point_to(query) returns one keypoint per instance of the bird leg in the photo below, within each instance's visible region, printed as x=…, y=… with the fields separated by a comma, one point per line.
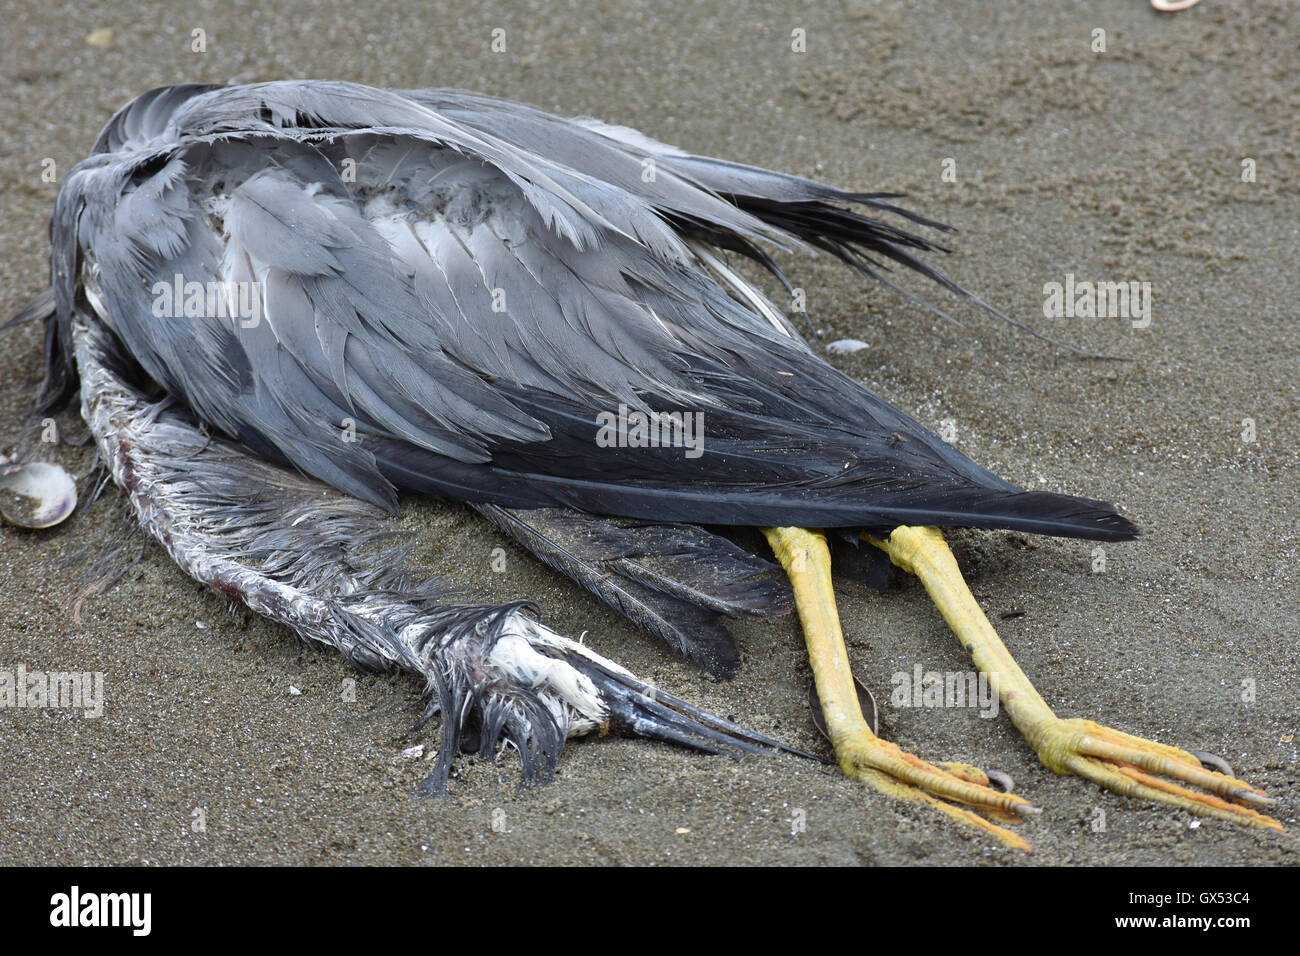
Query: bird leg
x=953, y=789
x=1128, y=765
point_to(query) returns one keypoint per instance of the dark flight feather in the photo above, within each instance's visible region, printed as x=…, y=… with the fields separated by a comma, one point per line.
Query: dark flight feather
x=671, y=580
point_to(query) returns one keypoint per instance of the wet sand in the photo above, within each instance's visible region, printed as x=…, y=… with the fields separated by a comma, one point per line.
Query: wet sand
x=1122, y=166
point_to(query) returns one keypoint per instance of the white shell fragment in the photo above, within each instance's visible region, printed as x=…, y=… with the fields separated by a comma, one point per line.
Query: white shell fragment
x=846, y=346
x=36, y=495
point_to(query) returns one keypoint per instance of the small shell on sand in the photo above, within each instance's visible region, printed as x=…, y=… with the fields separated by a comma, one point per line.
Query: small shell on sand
x=846, y=346
x=36, y=495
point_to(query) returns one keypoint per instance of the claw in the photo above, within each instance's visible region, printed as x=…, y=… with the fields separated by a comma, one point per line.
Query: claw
x=1120, y=762
x=1134, y=767
x=1000, y=780
x=892, y=771
x=1250, y=796
x=1213, y=762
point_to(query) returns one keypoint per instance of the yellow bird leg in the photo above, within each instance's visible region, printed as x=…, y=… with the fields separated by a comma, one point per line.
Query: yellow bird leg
x=861, y=754
x=1120, y=762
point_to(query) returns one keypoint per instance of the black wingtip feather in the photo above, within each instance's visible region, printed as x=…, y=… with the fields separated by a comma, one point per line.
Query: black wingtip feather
x=671, y=580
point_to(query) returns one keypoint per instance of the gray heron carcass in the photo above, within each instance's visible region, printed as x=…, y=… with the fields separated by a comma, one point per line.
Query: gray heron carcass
x=285, y=303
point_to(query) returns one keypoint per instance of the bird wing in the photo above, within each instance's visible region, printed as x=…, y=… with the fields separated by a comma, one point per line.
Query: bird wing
x=445, y=309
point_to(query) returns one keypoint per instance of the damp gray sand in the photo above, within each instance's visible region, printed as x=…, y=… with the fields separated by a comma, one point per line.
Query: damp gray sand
x=1120, y=166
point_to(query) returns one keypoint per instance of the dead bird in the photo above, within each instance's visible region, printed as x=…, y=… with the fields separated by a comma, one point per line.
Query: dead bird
x=282, y=304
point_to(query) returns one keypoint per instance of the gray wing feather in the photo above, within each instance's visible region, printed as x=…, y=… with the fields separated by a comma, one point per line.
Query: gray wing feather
x=683, y=183
x=379, y=291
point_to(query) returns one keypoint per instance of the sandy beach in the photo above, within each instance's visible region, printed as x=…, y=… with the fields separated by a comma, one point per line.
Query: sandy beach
x=1169, y=158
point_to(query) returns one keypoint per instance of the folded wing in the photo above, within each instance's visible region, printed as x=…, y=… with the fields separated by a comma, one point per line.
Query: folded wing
x=449, y=295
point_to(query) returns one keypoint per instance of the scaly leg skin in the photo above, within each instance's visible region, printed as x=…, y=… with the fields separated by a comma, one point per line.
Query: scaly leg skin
x=955, y=789
x=1128, y=765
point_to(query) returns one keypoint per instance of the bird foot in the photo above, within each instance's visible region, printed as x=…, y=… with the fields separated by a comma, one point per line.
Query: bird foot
x=958, y=790
x=954, y=789
x=1134, y=767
